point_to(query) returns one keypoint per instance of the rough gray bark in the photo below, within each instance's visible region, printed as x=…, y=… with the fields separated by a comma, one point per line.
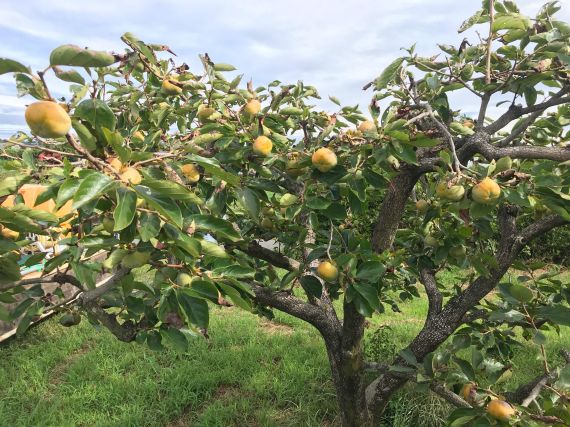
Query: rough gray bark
x=436, y=331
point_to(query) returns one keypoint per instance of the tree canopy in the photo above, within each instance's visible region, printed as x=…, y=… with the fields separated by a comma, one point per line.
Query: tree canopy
x=230, y=193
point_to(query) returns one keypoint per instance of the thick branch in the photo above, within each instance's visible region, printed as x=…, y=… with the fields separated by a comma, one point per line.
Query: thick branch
x=110, y=283
x=516, y=111
x=52, y=278
x=435, y=299
x=448, y=395
x=483, y=110
x=125, y=332
x=540, y=227
x=520, y=128
x=451, y=317
x=490, y=152
x=277, y=259
x=526, y=393
x=393, y=206
x=292, y=305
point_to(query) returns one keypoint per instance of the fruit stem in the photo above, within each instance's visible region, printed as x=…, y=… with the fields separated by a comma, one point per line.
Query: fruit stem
x=41, y=76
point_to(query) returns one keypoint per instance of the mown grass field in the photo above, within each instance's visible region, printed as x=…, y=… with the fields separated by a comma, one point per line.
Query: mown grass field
x=251, y=372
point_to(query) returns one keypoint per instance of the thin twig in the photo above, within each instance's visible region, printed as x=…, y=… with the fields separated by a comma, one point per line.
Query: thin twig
x=457, y=164
x=37, y=147
x=490, y=41
x=41, y=75
x=330, y=241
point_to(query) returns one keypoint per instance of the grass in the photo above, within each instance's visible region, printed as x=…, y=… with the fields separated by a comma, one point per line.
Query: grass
x=251, y=372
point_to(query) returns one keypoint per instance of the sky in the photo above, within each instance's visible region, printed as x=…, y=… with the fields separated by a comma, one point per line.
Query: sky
x=335, y=45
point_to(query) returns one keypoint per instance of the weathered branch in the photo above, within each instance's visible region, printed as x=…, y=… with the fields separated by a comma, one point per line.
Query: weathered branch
x=526, y=393
x=516, y=111
x=277, y=259
x=519, y=130
x=52, y=278
x=125, y=332
x=393, y=207
x=107, y=285
x=292, y=305
x=483, y=110
x=540, y=227
x=448, y=395
x=491, y=152
x=451, y=317
x=547, y=419
x=435, y=299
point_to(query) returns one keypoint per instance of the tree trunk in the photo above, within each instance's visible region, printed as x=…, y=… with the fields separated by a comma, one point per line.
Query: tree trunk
x=349, y=385
x=348, y=377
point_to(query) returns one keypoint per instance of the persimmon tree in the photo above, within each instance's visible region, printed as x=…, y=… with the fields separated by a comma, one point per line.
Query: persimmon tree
x=243, y=195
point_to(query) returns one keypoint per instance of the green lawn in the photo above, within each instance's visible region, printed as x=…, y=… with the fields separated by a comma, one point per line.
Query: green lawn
x=251, y=372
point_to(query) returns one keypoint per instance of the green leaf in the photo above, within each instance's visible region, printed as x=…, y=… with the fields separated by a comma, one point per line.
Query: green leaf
x=7, y=246
x=474, y=19
x=224, y=67
x=189, y=244
x=465, y=367
x=10, y=66
x=249, y=201
x=205, y=289
x=369, y=293
x=506, y=316
x=538, y=337
x=335, y=211
x=9, y=184
x=370, y=271
x=389, y=73
x=149, y=225
x=556, y=313
x=138, y=45
x=213, y=249
x=317, y=203
x=422, y=141
x=175, y=338
x=70, y=54
x=564, y=378
x=87, y=140
x=511, y=21
x=213, y=167
x=71, y=76
x=35, y=214
x=18, y=222
x=291, y=111
x=67, y=190
x=220, y=228
x=311, y=285
x=117, y=142
x=235, y=296
x=126, y=207
x=335, y=100
x=30, y=85
x=91, y=187
x=171, y=189
x=97, y=113
x=9, y=269
x=236, y=271
x=195, y=309
x=167, y=207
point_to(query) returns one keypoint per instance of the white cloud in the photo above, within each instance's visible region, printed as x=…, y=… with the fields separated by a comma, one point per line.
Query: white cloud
x=336, y=45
